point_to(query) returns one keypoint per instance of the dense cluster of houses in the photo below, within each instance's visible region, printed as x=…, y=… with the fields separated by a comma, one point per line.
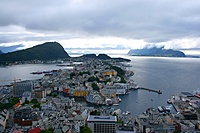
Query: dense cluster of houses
x=56, y=92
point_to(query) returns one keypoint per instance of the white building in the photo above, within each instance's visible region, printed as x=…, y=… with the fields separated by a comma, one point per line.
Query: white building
x=3, y=118
x=120, y=88
x=102, y=124
x=26, y=96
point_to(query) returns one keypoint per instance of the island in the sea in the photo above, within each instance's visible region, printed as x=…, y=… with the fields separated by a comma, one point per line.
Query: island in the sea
x=154, y=51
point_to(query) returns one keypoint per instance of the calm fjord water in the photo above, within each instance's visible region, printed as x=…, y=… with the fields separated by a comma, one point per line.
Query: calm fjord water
x=170, y=75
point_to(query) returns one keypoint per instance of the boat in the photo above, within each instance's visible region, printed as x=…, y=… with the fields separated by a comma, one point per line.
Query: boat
x=119, y=99
x=169, y=101
x=167, y=108
x=46, y=72
x=127, y=112
x=160, y=109
x=197, y=95
x=37, y=72
x=116, y=104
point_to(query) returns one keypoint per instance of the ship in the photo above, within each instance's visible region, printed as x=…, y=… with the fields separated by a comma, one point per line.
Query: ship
x=160, y=109
x=126, y=113
x=37, y=72
x=119, y=99
x=197, y=95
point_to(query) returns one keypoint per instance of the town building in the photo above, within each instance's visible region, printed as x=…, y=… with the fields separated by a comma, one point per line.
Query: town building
x=3, y=118
x=40, y=93
x=109, y=73
x=26, y=96
x=102, y=124
x=120, y=88
x=21, y=87
x=25, y=116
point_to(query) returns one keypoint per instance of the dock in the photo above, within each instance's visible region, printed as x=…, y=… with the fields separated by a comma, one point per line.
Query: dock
x=152, y=90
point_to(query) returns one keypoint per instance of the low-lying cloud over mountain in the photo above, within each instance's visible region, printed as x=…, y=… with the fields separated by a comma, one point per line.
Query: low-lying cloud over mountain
x=7, y=49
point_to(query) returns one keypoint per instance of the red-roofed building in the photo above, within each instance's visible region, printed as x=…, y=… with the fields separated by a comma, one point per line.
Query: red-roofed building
x=16, y=105
x=17, y=131
x=35, y=130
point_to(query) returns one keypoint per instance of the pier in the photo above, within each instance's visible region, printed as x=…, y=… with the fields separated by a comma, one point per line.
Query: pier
x=152, y=90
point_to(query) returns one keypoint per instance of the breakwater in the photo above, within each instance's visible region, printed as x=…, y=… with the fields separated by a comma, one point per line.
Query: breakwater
x=152, y=90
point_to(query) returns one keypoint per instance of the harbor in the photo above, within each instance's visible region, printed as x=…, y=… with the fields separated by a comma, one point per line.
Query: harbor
x=142, y=103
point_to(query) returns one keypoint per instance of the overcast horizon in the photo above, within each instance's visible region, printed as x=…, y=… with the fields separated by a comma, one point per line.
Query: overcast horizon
x=91, y=24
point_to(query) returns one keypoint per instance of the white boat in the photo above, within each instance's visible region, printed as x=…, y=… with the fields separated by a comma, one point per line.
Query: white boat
x=127, y=112
x=167, y=108
x=128, y=92
x=160, y=109
x=119, y=99
x=115, y=104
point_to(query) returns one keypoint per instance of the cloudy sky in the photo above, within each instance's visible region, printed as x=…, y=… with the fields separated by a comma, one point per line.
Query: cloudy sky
x=81, y=25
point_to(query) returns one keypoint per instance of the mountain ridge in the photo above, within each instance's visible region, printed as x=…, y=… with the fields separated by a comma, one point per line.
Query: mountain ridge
x=45, y=51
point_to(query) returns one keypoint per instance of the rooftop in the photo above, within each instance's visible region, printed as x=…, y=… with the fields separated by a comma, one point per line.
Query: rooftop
x=187, y=94
x=93, y=118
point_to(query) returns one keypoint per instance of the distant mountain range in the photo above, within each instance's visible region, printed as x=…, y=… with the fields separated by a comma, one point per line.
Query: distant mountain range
x=46, y=51
x=161, y=52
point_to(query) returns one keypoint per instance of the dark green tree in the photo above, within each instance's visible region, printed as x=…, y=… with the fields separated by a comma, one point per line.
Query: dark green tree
x=72, y=75
x=95, y=112
x=37, y=105
x=46, y=131
x=26, y=102
x=95, y=87
x=92, y=79
x=85, y=129
x=34, y=101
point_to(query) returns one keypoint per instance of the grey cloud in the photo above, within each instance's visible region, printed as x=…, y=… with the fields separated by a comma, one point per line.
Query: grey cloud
x=151, y=20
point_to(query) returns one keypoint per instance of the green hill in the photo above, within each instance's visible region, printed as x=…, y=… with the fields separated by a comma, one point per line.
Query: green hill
x=104, y=57
x=46, y=51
